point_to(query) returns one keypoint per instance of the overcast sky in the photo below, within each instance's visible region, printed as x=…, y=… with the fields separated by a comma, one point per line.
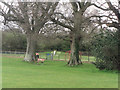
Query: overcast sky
x=52, y=0
x=98, y=2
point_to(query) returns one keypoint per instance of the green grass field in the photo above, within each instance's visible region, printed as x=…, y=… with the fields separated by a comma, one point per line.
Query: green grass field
x=54, y=74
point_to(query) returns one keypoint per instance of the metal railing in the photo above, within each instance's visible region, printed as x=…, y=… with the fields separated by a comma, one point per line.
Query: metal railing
x=11, y=52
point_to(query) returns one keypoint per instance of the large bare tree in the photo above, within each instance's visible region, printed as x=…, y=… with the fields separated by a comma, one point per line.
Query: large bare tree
x=31, y=18
x=75, y=24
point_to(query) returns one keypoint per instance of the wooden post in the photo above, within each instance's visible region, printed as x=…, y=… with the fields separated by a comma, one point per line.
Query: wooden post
x=65, y=56
x=59, y=56
x=88, y=56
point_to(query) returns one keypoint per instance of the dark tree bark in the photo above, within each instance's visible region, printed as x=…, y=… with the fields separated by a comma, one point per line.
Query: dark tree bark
x=74, y=56
x=76, y=38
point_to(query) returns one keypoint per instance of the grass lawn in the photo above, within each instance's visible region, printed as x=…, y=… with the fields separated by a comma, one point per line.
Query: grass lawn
x=54, y=74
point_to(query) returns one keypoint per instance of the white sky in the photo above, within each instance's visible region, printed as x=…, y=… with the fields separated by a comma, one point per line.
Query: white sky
x=51, y=0
x=114, y=2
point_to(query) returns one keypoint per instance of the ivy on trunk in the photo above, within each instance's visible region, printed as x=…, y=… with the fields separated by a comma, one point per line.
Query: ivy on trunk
x=74, y=56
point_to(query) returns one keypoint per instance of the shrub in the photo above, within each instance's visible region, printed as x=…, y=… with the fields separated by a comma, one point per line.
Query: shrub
x=105, y=49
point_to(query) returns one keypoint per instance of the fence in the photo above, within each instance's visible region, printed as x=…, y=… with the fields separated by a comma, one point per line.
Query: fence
x=63, y=56
x=11, y=52
x=51, y=56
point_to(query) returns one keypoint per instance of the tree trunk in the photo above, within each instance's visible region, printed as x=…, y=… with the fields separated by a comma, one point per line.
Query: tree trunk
x=74, y=57
x=31, y=48
x=76, y=38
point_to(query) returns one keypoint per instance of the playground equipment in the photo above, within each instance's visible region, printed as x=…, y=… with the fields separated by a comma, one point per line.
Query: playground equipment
x=42, y=60
x=39, y=59
x=37, y=55
x=54, y=52
x=69, y=52
x=49, y=56
x=58, y=56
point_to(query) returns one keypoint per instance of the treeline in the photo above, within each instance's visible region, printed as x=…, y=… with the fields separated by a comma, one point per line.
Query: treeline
x=13, y=41
x=16, y=41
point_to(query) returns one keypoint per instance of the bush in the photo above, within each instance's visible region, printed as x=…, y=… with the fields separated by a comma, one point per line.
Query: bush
x=105, y=49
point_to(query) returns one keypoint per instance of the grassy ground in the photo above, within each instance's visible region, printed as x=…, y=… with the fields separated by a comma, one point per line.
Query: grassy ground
x=54, y=74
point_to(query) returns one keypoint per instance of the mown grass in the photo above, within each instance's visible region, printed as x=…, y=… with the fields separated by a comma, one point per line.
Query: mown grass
x=54, y=74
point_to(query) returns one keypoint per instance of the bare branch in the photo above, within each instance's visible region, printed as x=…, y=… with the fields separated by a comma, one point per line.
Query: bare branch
x=87, y=4
x=113, y=24
x=113, y=9
x=95, y=16
x=63, y=17
x=75, y=6
x=62, y=24
x=105, y=9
